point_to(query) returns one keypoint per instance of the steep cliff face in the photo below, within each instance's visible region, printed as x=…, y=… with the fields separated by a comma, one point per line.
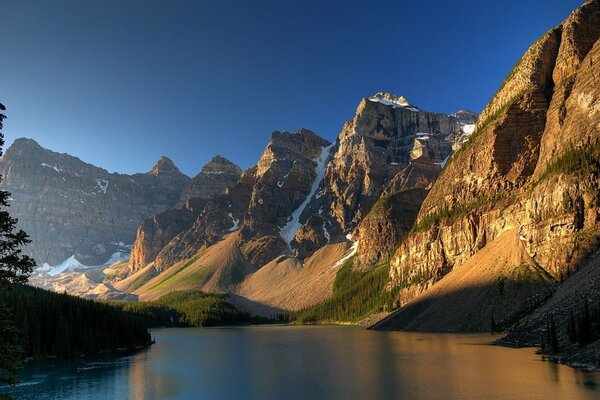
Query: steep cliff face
x=69, y=207
x=531, y=166
x=283, y=206
x=388, y=221
x=389, y=146
x=218, y=175
x=154, y=233
x=386, y=134
x=285, y=174
x=262, y=205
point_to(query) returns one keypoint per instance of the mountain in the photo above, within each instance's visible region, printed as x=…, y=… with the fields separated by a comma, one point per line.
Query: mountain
x=305, y=207
x=277, y=238
x=71, y=208
x=515, y=211
x=81, y=217
x=273, y=236
x=258, y=206
x=213, y=180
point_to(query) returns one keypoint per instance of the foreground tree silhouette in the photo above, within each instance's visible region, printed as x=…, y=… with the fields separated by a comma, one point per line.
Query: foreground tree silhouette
x=14, y=268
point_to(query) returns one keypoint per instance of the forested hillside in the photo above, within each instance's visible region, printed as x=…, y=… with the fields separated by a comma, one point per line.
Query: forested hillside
x=61, y=325
x=187, y=308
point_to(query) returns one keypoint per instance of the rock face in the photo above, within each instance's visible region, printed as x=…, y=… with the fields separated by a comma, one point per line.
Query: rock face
x=389, y=145
x=218, y=175
x=156, y=232
x=305, y=192
x=389, y=220
x=71, y=208
x=284, y=177
x=531, y=166
x=260, y=205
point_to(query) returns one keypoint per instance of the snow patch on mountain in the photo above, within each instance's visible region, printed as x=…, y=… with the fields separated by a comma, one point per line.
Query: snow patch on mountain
x=54, y=167
x=282, y=181
x=444, y=161
x=289, y=230
x=102, y=184
x=116, y=257
x=71, y=264
x=235, y=221
x=326, y=233
x=468, y=128
x=389, y=99
x=352, y=252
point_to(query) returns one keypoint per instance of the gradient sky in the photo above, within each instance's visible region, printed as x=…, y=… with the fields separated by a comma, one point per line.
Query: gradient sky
x=120, y=83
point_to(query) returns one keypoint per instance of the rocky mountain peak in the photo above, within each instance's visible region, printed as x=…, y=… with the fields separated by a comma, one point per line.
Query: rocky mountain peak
x=165, y=166
x=285, y=138
x=25, y=143
x=466, y=116
x=216, y=177
x=23, y=146
x=285, y=146
x=390, y=99
x=59, y=196
x=220, y=165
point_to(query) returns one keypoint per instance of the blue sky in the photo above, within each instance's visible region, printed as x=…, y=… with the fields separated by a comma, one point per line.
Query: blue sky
x=120, y=83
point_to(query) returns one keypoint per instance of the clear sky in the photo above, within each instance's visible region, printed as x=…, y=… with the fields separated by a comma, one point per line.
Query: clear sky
x=120, y=83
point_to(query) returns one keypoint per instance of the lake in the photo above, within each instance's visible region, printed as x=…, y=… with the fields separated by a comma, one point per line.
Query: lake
x=311, y=362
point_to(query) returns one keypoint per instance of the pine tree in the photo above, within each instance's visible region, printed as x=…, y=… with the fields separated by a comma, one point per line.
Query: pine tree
x=572, y=328
x=585, y=325
x=10, y=349
x=14, y=268
x=552, y=337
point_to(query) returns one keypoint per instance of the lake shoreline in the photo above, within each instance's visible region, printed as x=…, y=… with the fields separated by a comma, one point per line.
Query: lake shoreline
x=329, y=361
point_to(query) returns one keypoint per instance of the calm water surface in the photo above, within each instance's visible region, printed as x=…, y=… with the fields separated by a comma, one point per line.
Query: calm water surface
x=284, y=362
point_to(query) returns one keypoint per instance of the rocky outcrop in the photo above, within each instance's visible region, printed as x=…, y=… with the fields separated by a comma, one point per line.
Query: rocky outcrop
x=69, y=207
x=154, y=233
x=389, y=220
x=260, y=205
x=390, y=145
x=285, y=174
x=532, y=165
x=382, y=139
x=218, y=175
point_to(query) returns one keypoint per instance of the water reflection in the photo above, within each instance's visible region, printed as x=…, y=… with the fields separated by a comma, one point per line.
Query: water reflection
x=313, y=363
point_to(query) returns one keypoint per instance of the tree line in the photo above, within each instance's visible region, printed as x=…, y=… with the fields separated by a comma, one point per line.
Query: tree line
x=188, y=308
x=580, y=329
x=61, y=325
x=356, y=294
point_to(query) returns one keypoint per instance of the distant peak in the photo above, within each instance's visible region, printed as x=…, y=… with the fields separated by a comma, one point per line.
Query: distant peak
x=25, y=142
x=390, y=99
x=466, y=116
x=164, y=166
x=219, y=164
x=23, y=146
x=302, y=135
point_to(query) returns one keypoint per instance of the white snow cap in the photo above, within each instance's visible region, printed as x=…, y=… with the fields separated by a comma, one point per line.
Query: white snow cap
x=389, y=99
